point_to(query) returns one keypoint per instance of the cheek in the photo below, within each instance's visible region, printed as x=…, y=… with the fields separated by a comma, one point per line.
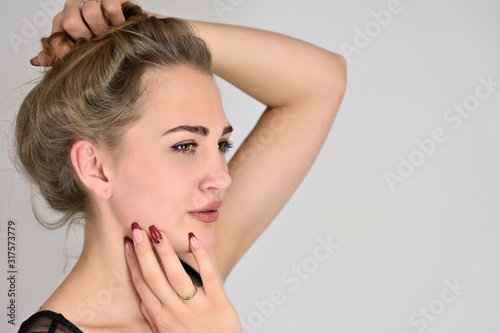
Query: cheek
x=138, y=186
x=150, y=189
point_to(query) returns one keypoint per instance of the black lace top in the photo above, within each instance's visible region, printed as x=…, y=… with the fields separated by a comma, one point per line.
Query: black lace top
x=48, y=322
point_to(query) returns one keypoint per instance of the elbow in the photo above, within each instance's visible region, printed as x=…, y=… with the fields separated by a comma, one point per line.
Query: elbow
x=331, y=80
x=336, y=76
x=321, y=84
x=342, y=64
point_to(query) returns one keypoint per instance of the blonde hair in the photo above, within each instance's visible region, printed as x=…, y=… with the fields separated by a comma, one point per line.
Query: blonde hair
x=92, y=94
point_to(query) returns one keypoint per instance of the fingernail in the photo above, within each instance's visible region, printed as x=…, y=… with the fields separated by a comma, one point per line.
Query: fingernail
x=137, y=233
x=129, y=247
x=155, y=234
x=195, y=244
x=34, y=61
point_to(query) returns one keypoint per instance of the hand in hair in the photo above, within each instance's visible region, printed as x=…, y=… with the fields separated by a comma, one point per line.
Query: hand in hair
x=168, y=301
x=74, y=23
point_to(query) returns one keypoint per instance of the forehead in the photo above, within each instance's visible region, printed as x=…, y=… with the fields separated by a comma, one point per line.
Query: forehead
x=181, y=91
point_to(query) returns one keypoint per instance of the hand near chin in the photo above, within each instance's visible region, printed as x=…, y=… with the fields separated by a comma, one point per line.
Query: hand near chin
x=170, y=301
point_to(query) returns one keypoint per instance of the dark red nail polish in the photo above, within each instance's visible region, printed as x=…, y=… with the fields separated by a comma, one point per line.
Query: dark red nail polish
x=129, y=245
x=195, y=244
x=135, y=225
x=155, y=234
x=34, y=61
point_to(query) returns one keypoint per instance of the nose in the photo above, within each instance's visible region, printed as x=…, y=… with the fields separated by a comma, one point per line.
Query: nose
x=216, y=178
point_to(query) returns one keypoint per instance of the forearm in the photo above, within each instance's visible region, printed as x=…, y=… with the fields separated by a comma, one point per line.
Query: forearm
x=276, y=70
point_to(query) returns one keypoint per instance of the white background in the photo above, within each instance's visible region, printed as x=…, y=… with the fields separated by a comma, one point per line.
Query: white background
x=398, y=251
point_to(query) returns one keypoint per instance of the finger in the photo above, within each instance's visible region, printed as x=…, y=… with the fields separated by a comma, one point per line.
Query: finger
x=211, y=282
x=57, y=23
x=147, y=296
x=147, y=315
x=113, y=8
x=92, y=13
x=150, y=267
x=176, y=275
x=43, y=59
x=38, y=60
x=57, y=45
x=72, y=21
x=58, y=48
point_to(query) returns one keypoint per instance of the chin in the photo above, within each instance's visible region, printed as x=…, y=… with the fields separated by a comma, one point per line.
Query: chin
x=206, y=235
x=180, y=242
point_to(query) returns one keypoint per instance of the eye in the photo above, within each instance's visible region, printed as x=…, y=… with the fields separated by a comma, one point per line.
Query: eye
x=185, y=148
x=225, y=146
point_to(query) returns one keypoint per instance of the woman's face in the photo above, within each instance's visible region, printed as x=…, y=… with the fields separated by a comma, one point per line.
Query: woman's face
x=172, y=161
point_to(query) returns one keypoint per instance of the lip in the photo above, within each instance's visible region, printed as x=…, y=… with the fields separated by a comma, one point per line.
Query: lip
x=208, y=213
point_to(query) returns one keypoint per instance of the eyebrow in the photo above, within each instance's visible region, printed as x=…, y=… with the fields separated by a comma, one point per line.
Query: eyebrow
x=200, y=130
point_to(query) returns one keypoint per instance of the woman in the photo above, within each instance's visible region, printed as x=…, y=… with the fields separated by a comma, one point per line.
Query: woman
x=127, y=128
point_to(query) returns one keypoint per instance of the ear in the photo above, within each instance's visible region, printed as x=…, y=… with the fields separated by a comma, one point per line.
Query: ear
x=88, y=163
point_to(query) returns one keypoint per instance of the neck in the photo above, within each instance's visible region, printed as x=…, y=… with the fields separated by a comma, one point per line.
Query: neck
x=99, y=291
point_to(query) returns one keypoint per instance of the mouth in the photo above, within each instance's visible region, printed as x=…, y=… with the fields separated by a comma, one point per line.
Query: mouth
x=208, y=213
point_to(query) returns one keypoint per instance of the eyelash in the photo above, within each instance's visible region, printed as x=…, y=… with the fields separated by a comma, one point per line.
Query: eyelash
x=224, y=147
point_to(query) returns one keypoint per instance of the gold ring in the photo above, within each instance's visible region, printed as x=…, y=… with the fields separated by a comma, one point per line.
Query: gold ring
x=187, y=298
x=84, y=1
